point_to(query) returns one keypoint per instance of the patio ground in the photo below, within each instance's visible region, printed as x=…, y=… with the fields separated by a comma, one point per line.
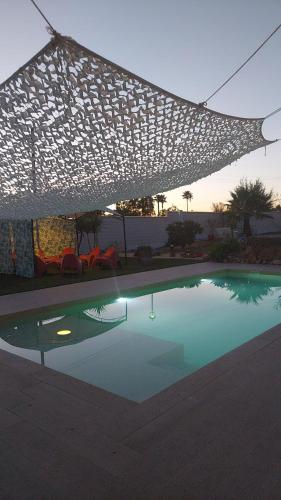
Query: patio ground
x=214, y=435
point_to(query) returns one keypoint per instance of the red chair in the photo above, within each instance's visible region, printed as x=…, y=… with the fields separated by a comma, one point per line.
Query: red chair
x=71, y=264
x=108, y=259
x=54, y=259
x=68, y=251
x=89, y=259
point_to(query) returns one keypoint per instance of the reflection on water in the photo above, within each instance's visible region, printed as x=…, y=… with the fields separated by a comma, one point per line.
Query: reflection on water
x=137, y=345
x=51, y=333
x=247, y=291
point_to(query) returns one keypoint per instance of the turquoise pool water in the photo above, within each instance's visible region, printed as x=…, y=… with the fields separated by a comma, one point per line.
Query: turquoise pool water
x=140, y=343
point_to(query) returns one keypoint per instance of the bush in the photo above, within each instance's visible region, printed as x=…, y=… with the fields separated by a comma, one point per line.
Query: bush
x=220, y=251
x=183, y=233
x=144, y=254
x=143, y=251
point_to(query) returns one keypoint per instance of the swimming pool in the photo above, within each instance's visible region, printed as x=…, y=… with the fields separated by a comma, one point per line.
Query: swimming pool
x=140, y=343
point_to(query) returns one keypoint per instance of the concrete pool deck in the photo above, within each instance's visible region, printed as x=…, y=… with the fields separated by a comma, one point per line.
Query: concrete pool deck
x=214, y=435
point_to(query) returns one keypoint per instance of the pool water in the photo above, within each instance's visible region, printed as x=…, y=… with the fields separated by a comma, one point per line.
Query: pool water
x=138, y=344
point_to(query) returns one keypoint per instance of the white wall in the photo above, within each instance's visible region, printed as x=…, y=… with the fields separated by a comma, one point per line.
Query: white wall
x=267, y=225
x=152, y=230
x=145, y=230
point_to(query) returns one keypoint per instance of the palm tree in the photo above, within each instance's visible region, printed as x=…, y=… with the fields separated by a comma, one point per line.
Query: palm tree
x=163, y=200
x=187, y=195
x=250, y=199
x=160, y=198
x=158, y=201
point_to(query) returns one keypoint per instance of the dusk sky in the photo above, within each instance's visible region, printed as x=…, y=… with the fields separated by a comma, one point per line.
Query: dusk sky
x=188, y=47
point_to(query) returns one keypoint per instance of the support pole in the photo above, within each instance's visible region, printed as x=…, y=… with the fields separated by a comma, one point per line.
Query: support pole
x=34, y=187
x=42, y=357
x=124, y=237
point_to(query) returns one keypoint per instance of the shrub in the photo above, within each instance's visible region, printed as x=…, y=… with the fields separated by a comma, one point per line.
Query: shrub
x=220, y=251
x=143, y=251
x=183, y=233
x=144, y=254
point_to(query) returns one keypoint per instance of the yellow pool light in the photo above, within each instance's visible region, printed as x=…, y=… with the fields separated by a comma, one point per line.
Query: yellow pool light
x=63, y=332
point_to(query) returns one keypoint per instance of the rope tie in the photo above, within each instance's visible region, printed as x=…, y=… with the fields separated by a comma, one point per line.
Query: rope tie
x=51, y=29
x=243, y=64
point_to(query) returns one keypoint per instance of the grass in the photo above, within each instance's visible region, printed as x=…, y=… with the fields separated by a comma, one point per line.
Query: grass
x=15, y=284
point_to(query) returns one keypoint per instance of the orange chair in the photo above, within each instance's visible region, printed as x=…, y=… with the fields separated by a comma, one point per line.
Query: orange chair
x=54, y=259
x=71, y=264
x=89, y=259
x=108, y=259
x=68, y=251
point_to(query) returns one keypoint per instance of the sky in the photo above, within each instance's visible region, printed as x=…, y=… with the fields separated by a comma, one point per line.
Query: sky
x=188, y=47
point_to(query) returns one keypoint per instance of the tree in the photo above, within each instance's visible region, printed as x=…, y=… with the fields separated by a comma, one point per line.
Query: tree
x=250, y=199
x=219, y=207
x=89, y=222
x=187, y=195
x=128, y=207
x=96, y=222
x=145, y=205
x=158, y=201
x=163, y=200
x=231, y=221
x=173, y=208
x=136, y=206
x=183, y=233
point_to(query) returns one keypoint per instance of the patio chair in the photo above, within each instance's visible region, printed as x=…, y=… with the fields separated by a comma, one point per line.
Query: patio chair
x=108, y=259
x=71, y=264
x=68, y=251
x=47, y=259
x=89, y=259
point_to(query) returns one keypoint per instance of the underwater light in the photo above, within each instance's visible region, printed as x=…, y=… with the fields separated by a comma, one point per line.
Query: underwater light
x=122, y=299
x=63, y=332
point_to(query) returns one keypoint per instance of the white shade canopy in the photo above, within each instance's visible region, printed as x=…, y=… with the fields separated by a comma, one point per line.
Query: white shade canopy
x=78, y=133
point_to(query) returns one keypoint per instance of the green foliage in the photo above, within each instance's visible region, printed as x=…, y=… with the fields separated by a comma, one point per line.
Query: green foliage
x=182, y=233
x=143, y=251
x=219, y=207
x=136, y=206
x=172, y=208
x=160, y=199
x=89, y=222
x=250, y=199
x=146, y=205
x=128, y=207
x=188, y=196
x=220, y=251
x=144, y=254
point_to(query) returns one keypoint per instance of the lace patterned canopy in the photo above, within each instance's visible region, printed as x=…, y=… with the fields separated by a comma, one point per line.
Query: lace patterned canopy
x=79, y=133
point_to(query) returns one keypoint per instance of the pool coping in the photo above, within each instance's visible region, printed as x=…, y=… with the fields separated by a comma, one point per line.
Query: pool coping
x=77, y=292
